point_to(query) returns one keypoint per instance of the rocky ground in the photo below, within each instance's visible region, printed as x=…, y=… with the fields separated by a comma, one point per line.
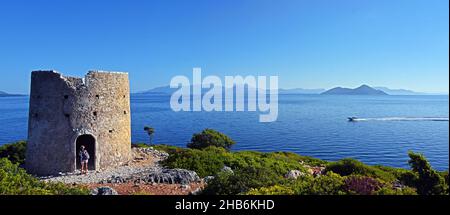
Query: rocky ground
x=151, y=189
x=143, y=175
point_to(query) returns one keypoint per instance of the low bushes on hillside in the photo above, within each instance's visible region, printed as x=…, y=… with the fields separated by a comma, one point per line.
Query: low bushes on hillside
x=15, y=152
x=242, y=180
x=328, y=184
x=272, y=190
x=211, y=160
x=257, y=173
x=15, y=181
x=348, y=166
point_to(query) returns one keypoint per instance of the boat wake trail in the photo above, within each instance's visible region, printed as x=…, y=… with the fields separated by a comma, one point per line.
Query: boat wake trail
x=443, y=119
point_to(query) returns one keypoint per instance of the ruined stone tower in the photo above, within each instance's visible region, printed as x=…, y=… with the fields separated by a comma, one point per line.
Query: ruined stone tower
x=67, y=112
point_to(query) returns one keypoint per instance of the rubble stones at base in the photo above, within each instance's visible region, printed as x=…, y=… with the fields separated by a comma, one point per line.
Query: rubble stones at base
x=172, y=176
x=149, y=173
x=185, y=187
x=197, y=191
x=103, y=191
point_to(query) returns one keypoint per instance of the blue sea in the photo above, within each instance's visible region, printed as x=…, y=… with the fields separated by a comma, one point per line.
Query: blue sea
x=312, y=125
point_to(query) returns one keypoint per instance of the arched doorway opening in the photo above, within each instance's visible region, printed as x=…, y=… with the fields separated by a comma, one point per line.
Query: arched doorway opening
x=88, y=141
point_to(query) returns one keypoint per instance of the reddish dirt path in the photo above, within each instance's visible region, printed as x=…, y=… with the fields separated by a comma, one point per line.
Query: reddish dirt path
x=149, y=189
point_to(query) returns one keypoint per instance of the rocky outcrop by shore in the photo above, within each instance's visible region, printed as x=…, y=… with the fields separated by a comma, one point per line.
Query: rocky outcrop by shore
x=157, y=175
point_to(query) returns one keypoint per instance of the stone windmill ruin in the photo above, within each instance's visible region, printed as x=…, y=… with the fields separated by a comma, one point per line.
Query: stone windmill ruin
x=67, y=112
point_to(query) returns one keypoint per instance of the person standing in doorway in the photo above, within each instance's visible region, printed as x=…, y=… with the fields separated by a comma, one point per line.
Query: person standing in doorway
x=84, y=158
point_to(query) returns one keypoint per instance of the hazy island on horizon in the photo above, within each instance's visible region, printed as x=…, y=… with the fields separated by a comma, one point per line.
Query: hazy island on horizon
x=5, y=94
x=362, y=90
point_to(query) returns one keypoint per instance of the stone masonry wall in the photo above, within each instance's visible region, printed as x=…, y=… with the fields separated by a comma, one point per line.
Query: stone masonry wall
x=63, y=108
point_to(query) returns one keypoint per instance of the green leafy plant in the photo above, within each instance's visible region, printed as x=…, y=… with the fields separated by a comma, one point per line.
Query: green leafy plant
x=241, y=181
x=395, y=191
x=428, y=182
x=15, y=181
x=272, y=190
x=348, y=166
x=211, y=160
x=15, y=152
x=210, y=137
x=328, y=184
x=204, y=162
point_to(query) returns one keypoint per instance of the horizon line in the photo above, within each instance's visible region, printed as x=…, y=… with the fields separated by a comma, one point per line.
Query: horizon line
x=135, y=91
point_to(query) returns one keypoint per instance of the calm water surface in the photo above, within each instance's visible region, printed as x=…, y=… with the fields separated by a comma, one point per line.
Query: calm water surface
x=313, y=125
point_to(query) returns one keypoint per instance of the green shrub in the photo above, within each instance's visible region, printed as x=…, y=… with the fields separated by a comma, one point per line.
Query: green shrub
x=15, y=152
x=272, y=190
x=445, y=175
x=210, y=137
x=277, y=163
x=429, y=182
x=409, y=179
x=15, y=181
x=393, y=191
x=211, y=160
x=241, y=181
x=251, y=169
x=392, y=171
x=334, y=184
x=348, y=166
x=328, y=184
x=290, y=156
x=205, y=162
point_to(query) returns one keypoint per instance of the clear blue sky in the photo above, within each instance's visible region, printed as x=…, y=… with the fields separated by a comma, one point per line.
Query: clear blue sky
x=309, y=44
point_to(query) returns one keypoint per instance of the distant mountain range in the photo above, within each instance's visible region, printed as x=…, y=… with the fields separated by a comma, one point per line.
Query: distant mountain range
x=300, y=91
x=361, y=90
x=403, y=92
x=168, y=90
x=159, y=90
x=4, y=94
